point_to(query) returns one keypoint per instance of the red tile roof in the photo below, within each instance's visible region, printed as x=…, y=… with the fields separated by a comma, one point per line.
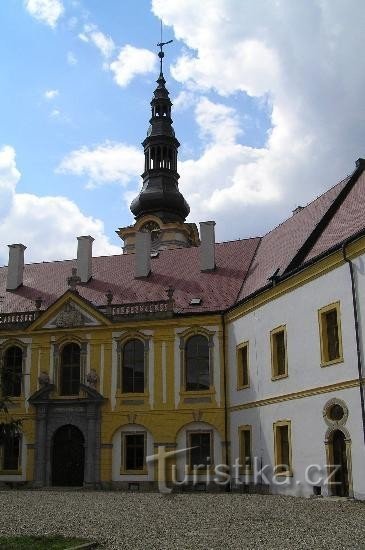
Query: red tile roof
x=177, y=268
x=243, y=266
x=347, y=221
x=278, y=247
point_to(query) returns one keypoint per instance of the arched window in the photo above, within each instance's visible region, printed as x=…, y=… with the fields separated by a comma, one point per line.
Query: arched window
x=12, y=372
x=70, y=369
x=133, y=367
x=197, y=368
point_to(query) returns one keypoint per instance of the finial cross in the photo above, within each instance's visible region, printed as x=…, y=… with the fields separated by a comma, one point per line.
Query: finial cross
x=161, y=53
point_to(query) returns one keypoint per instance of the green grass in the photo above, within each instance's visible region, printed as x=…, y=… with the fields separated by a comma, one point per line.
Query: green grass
x=38, y=543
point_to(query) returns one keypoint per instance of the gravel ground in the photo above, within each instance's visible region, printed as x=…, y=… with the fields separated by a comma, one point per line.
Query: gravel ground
x=152, y=521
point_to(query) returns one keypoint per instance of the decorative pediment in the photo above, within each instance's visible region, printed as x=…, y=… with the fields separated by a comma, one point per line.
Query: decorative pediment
x=71, y=315
x=44, y=396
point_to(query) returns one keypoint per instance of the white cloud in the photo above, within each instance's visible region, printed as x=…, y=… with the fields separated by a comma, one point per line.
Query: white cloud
x=83, y=37
x=51, y=94
x=48, y=226
x=106, y=163
x=71, y=59
x=56, y=113
x=131, y=62
x=104, y=43
x=183, y=101
x=299, y=57
x=9, y=177
x=46, y=11
x=217, y=122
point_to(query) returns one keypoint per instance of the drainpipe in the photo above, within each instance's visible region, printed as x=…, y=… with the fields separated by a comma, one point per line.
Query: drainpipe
x=357, y=333
x=228, y=486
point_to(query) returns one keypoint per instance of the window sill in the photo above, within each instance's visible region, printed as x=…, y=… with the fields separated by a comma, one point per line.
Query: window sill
x=279, y=377
x=133, y=472
x=333, y=362
x=131, y=395
x=197, y=393
x=244, y=387
x=10, y=472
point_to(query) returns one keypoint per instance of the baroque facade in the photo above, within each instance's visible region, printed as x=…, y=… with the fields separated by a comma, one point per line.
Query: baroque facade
x=247, y=353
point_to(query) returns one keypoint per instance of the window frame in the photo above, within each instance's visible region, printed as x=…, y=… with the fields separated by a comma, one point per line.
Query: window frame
x=277, y=458
x=5, y=350
x=12, y=471
x=60, y=381
x=189, y=433
x=183, y=347
x=145, y=365
x=123, y=469
x=274, y=368
x=325, y=362
x=239, y=366
x=244, y=468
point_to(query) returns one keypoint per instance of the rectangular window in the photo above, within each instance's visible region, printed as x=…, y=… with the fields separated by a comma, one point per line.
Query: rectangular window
x=245, y=448
x=279, y=360
x=242, y=366
x=330, y=334
x=200, y=444
x=282, y=446
x=134, y=458
x=10, y=453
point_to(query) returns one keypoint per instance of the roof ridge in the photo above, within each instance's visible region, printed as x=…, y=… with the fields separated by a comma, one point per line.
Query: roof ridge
x=325, y=218
x=307, y=205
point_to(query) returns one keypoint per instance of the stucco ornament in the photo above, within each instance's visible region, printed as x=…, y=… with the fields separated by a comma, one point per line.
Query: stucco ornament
x=335, y=413
x=44, y=379
x=92, y=379
x=69, y=316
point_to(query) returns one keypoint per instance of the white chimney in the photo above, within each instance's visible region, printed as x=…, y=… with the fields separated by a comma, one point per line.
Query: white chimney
x=207, y=246
x=84, y=257
x=16, y=266
x=142, y=254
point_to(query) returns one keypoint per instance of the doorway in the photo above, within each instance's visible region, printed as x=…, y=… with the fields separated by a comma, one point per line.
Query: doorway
x=340, y=479
x=68, y=457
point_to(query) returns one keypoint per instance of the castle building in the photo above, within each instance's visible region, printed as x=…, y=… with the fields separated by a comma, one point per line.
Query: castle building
x=246, y=353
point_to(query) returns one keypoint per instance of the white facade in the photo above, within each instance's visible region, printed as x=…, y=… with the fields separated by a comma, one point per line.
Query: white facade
x=302, y=395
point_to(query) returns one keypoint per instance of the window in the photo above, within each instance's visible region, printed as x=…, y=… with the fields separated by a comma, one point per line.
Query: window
x=134, y=451
x=12, y=372
x=330, y=334
x=133, y=367
x=10, y=452
x=245, y=448
x=279, y=361
x=242, y=366
x=282, y=445
x=197, y=371
x=200, y=444
x=70, y=369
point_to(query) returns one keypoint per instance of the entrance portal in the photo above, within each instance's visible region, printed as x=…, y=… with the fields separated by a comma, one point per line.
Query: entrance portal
x=68, y=457
x=341, y=479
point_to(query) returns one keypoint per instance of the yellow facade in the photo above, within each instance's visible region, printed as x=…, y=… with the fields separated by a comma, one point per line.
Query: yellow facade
x=159, y=413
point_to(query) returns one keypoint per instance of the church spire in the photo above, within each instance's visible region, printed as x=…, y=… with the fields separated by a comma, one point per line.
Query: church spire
x=160, y=195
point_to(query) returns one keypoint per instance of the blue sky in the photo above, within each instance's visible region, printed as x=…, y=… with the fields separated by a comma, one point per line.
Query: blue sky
x=263, y=112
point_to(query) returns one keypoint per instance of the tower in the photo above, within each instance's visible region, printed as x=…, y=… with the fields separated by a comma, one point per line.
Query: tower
x=160, y=207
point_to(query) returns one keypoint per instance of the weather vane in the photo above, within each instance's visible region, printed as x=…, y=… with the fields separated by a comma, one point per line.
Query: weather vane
x=161, y=53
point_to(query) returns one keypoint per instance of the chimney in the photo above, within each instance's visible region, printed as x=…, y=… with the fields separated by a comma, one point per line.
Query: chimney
x=16, y=266
x=297, y=209
x=207, y=246
x=84, y=257
x=142, y=254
